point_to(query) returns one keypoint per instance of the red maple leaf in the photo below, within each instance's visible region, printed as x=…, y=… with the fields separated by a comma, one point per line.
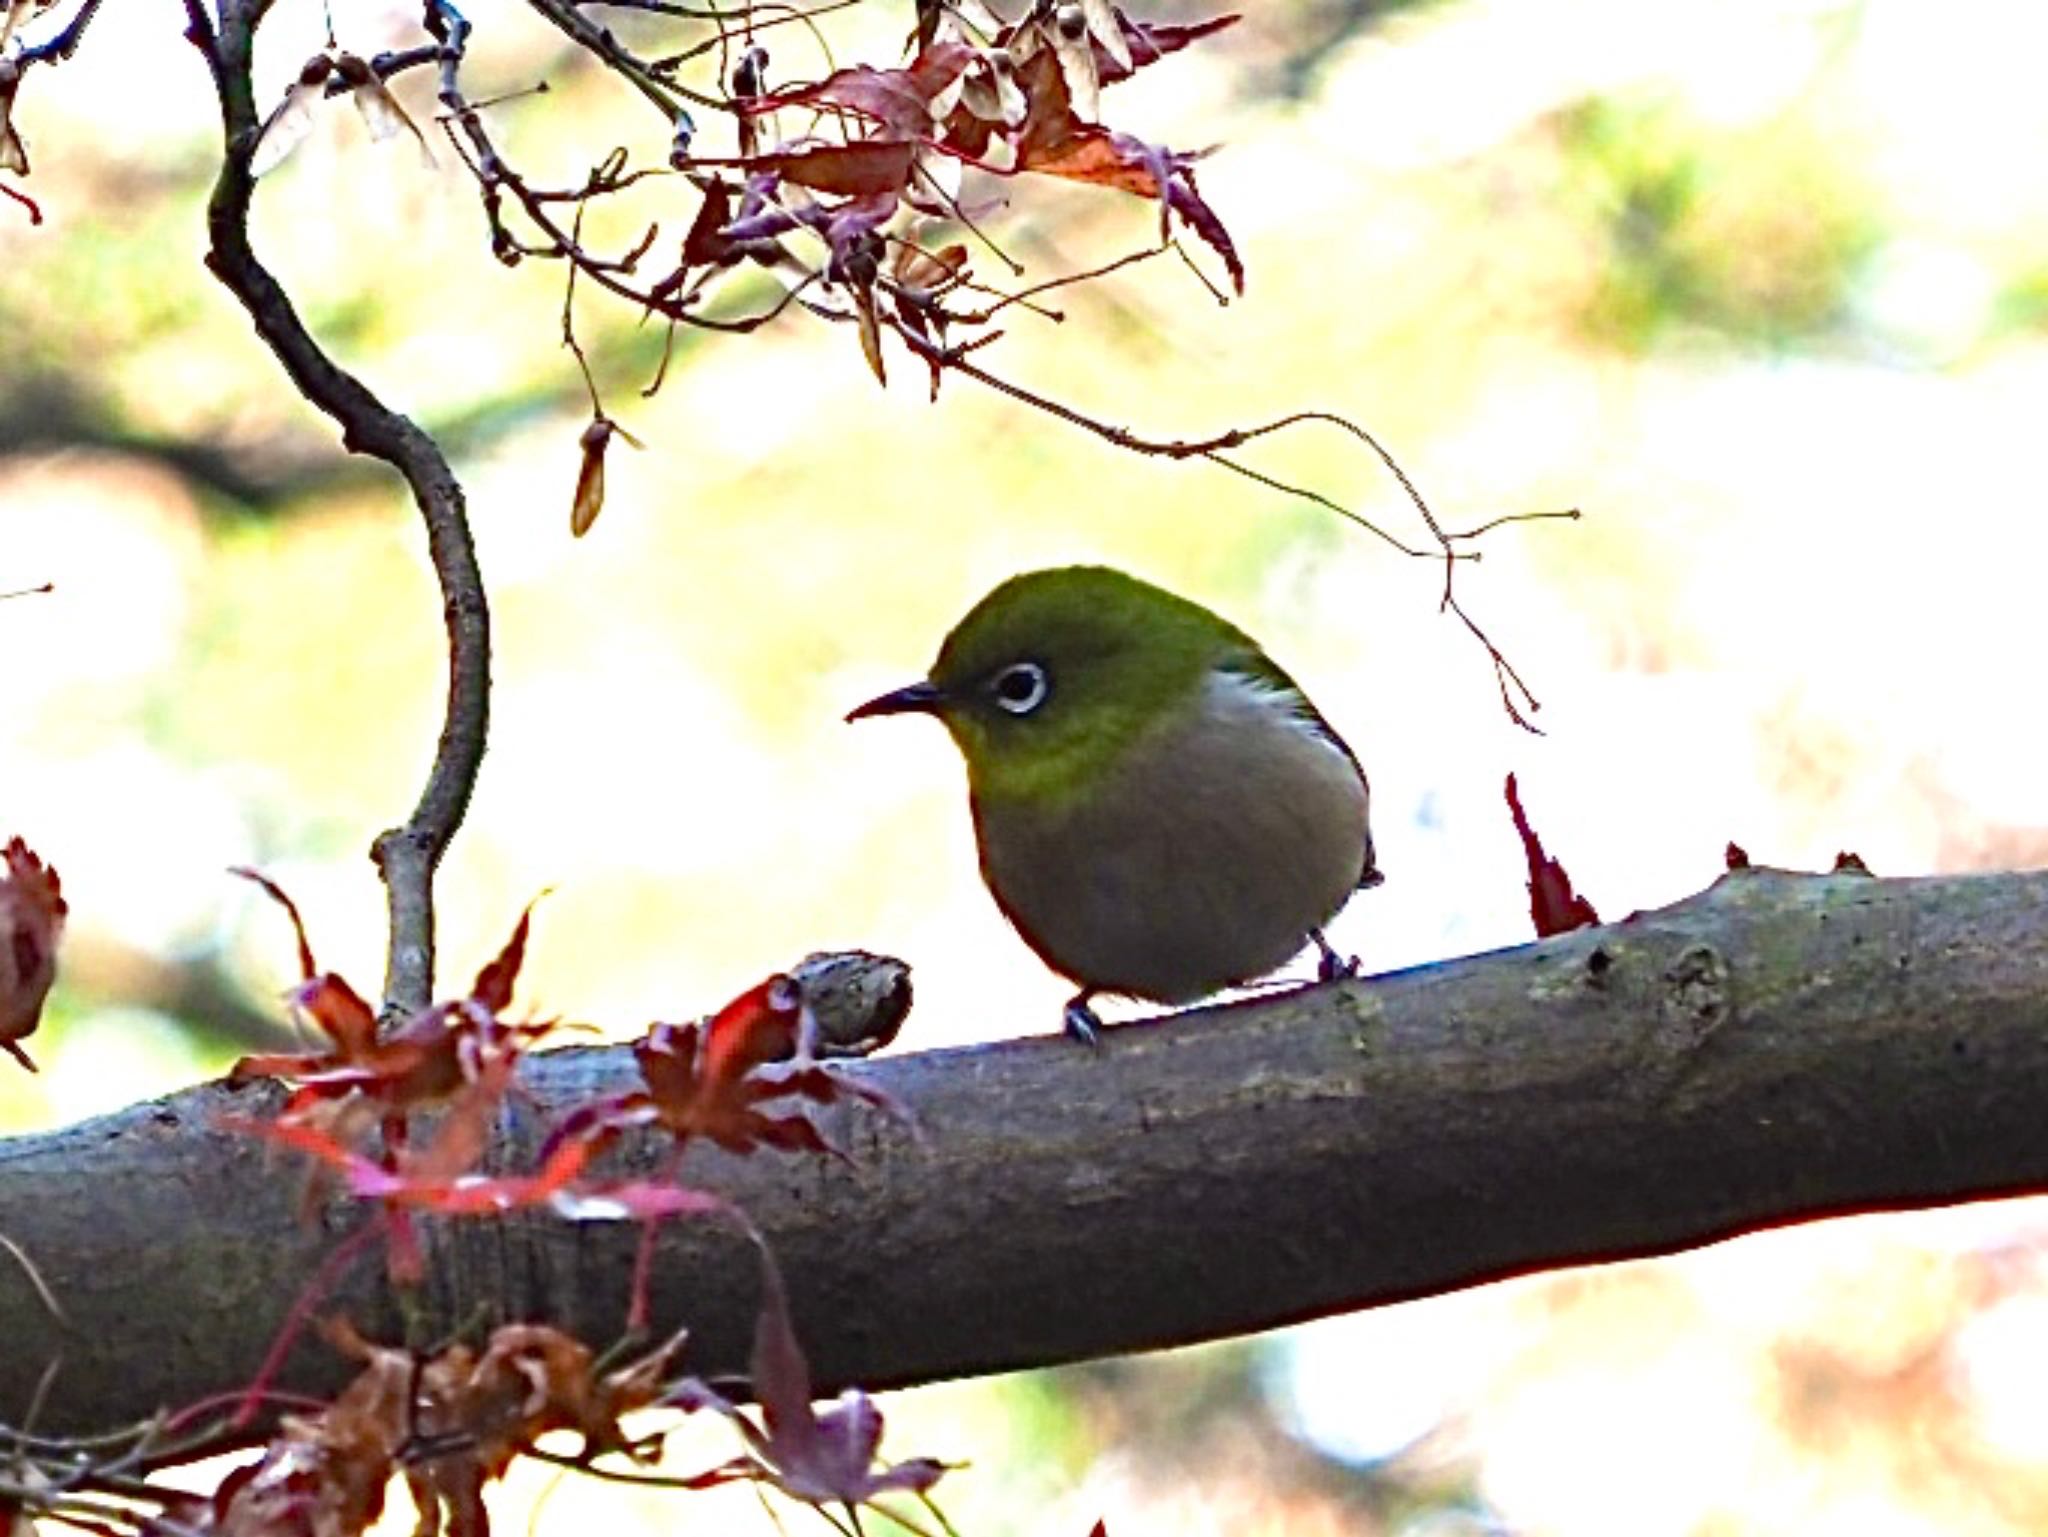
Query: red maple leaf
x=1555, y=907
x=720, y=1078
x=443, y=1179
x=31, y=922
x=820, y=1459
x=428, y=1060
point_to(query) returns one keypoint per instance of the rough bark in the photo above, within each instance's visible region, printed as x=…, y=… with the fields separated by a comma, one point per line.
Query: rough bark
x=1777, y=1048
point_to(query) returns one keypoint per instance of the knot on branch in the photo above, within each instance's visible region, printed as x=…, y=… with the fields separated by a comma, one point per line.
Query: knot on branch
x=1695, y=1000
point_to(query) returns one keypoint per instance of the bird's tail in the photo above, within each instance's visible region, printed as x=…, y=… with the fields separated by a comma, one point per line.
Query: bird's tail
x=1370, y=876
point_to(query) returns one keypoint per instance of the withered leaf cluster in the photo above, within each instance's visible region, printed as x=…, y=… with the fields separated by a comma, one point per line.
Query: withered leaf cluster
x=884, y=151
x=449, y=1423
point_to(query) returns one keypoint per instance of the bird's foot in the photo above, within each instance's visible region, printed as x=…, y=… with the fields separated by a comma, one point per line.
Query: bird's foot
x=1330, y=966
x=1082, y=1022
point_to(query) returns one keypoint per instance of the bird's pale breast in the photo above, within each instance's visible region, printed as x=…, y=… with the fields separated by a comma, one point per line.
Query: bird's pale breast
x=1203, y=856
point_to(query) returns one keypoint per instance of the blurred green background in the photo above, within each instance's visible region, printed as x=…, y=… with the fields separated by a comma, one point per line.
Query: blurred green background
x=1762, y=287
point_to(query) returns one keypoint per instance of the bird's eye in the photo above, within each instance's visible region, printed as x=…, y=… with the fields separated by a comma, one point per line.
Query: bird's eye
x=1021, y=687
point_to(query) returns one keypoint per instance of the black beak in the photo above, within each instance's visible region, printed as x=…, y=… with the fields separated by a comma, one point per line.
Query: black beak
x=918, y=698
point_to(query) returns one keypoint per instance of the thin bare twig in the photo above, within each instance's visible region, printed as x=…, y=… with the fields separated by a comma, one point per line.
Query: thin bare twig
x=757, y=21
x=1212, y=448
x=1026, y=296
x=35, y=212
x=199, y=33
x=599, y=42
x=36, y=1282
x=495, y=178
x=1516, y=697
x=1566, y=514
x=408, y=854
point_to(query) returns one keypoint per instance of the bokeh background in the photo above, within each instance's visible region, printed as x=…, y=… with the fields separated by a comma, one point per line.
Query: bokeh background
x=1761, y=287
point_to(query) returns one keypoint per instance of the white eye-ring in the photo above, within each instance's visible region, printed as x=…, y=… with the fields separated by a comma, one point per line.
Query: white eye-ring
x=1021, y=687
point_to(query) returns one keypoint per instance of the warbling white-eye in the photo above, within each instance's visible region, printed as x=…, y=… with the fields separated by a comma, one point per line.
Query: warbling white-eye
x=1160, y=810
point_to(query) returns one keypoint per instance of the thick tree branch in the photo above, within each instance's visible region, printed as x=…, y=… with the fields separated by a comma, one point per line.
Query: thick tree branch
x=408, y=854
x=1780, y=1047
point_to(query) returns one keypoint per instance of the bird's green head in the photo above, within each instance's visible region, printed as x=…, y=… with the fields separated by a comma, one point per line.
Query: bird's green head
x=1049, y=678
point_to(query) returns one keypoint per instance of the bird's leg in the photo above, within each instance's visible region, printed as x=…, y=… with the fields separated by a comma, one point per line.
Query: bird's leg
x=1082, y=1022
x=1330, y=966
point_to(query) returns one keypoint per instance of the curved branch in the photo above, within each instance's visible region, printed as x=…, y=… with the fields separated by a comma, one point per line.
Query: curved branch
x=1778, y=1048
x=666, y=96
x=60, y=46
x=406, y=855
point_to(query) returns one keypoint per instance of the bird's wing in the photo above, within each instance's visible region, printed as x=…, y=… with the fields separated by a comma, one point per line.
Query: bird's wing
x=1253, y=664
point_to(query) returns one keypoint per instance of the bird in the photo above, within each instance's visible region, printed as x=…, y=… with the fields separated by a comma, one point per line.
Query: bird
x=1159, y=810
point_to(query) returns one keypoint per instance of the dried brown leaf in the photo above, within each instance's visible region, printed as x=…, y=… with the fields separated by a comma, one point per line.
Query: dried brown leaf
x=32, y=913
x=13, y=153
x=589, y=498
x=861, y=169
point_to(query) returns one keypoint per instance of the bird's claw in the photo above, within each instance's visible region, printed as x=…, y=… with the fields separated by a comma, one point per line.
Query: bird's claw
x=1330, y=966
x=1082, y=1022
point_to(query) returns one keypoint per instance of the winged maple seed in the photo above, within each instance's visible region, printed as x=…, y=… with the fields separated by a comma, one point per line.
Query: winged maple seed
x=31, y=922
x=589, y=499
x=820, y=1459
x=326, y=73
